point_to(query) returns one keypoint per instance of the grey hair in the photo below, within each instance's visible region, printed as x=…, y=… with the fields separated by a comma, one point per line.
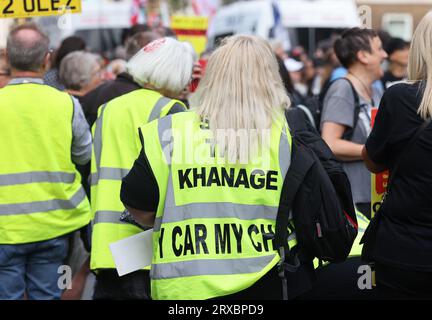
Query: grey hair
x=27, y=53
x=76, y=69
x=165, y=64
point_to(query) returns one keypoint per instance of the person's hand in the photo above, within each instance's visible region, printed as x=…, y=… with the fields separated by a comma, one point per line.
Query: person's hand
x=197, y=74
x=197, y=71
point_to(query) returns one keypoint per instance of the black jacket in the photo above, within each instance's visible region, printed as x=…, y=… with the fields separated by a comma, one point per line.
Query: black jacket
x=105, y=92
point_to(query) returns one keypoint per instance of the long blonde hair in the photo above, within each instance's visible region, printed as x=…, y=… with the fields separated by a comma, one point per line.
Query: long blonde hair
x=420, y=62
x=241, y=90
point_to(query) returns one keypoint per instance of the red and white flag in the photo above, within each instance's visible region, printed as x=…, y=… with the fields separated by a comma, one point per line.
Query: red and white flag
x=137, y=12
x=205, y=7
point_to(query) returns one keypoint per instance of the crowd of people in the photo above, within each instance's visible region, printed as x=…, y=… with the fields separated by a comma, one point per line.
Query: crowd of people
x=86, y=160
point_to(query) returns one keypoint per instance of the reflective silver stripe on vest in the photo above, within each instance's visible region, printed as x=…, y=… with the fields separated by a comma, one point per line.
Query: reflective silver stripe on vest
x=106, y=173
x=165, y=137
x=209, y=267
x=215, y=210
x=292, y=236
x=43, y=206
x=173, y=213
x=284, y=153
x=165, y=140
x=97, y=142
x=364, y=219
x=115, y=173
x=157, y=109
x=108, y=217
x=35, y=177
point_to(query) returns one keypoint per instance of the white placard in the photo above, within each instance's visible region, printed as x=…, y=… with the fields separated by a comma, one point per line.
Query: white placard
x=133, y=253
x=103, y=14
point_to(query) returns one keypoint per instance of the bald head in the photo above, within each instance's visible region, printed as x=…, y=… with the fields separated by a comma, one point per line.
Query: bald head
x=27, y=48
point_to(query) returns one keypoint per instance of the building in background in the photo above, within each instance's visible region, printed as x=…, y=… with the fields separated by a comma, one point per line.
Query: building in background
x=398, y=17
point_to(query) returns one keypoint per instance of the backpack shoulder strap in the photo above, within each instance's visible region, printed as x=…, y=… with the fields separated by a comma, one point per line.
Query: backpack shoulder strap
x=356, y=104
x=327, y=87
x=349, y=132
x=356, y=96
x=300, y=165
x=296, y=119
x=308, y=114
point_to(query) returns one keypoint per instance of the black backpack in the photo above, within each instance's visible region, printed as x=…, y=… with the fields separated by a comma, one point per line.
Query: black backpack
x=317, y=191
x=313, y=107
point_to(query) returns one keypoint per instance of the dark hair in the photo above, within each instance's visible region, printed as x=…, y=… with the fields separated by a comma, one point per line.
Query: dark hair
x=286, y=79
x=139, y=41
x=169, y=32
x=27, y=54
x=396, y=44
x=351, y=42
x=130, y=32
x=384, y=36
x=295, y=97
x=68, y=45
x=325, y=45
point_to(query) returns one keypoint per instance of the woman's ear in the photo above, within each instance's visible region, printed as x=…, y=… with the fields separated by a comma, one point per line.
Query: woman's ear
x=363, y=57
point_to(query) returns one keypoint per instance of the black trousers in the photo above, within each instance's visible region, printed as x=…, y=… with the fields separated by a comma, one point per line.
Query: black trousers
x=394, y=283
x=133, y=286
x=269, y=287
x=339, y=281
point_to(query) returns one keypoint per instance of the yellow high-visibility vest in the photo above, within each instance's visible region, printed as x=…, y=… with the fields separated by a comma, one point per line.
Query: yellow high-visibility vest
x=41, y=196
x=212, y=225
x=115, y=147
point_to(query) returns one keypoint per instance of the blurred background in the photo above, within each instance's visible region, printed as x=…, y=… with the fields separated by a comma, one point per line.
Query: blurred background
x=301, y=33
x=103, y=24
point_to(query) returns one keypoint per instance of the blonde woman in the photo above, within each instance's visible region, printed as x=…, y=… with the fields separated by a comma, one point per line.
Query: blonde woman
x=403, y=245
x=218, y=171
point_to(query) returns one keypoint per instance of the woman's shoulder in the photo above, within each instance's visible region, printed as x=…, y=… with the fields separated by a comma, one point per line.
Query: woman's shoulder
x=408, y=94
x=404, y=89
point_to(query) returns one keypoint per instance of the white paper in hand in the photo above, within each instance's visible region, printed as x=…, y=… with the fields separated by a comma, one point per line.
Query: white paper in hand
x=133, y=253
